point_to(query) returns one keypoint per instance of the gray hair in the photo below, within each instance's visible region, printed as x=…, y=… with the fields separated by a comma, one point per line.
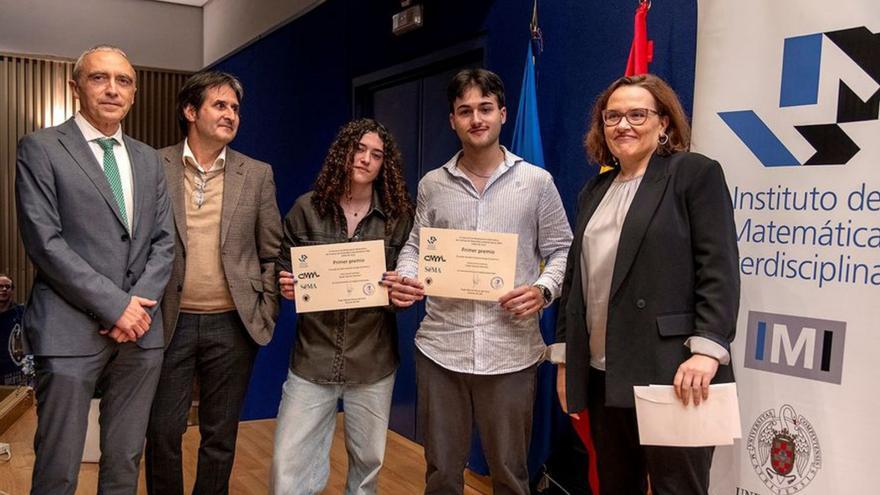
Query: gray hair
x=77, y=67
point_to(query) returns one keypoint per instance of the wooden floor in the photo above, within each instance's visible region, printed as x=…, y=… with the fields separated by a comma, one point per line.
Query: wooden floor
x=402, y=474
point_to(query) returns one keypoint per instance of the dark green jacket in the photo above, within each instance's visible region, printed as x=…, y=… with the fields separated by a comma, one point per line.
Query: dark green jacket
x=355, y=346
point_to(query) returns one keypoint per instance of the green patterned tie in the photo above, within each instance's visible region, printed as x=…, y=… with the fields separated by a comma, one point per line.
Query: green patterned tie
x=111, y=170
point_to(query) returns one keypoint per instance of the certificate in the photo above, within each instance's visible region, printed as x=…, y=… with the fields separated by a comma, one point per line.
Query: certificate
x=467, y=264
x=339, y=276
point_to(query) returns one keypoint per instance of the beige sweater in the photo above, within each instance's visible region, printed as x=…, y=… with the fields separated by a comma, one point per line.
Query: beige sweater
x=204, y=284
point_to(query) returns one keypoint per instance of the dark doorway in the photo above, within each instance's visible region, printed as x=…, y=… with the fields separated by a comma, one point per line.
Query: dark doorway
x=410, y=100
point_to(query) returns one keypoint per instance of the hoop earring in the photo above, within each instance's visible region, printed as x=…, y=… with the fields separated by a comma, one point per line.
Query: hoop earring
x=663, y=139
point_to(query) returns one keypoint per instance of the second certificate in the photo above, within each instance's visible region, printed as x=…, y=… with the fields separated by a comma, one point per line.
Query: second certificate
x=466, y=264
x=339, y=276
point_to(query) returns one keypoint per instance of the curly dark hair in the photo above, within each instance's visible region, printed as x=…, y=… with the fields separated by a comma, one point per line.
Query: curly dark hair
x=333, y=179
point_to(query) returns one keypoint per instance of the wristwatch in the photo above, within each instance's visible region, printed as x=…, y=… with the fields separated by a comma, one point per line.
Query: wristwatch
x=548, y=296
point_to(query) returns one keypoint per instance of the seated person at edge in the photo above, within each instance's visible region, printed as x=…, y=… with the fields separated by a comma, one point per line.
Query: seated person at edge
x=11, y=316
x=359, y=195
x=651, y=290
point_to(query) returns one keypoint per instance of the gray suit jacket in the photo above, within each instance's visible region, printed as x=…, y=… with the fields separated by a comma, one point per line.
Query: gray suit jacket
x=250, y=239
x=88, y=265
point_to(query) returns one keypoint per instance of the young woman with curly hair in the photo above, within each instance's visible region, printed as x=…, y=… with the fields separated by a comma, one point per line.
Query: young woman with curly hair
x=359, y=195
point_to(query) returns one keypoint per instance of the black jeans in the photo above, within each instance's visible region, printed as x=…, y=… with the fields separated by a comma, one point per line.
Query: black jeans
x=217, y=349
x=623, y=463
x=448, y=405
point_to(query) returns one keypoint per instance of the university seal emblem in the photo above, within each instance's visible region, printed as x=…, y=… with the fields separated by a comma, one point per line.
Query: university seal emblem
x=784, y=450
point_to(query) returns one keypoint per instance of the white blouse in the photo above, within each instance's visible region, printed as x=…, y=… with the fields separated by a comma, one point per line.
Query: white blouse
x=599, y=250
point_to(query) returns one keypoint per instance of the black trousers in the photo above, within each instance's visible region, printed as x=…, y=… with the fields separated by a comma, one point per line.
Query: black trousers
x=449, y=404
x=217, y=349
x=623, y=463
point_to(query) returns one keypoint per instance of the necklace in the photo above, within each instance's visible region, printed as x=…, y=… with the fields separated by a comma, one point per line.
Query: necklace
x=357, y=211
x=461, y=163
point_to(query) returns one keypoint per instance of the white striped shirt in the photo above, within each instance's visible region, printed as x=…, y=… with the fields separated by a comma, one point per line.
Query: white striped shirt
x=480, y=337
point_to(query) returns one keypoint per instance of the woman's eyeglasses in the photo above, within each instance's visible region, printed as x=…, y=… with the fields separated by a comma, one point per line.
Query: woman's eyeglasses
x=635, y=116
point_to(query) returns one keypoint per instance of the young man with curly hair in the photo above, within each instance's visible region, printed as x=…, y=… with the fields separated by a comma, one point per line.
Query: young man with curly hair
x=360, y=195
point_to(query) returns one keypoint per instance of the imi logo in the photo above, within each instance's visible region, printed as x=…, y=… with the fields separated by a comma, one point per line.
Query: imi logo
x=808, y=348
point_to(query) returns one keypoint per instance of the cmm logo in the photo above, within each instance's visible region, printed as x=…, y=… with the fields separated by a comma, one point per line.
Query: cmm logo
x=808, y=348
x=801, y=67
x=784, y=450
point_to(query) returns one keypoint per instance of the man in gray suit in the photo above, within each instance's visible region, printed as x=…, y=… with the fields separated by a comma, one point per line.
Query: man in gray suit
x=222, y=301
x=96, y=222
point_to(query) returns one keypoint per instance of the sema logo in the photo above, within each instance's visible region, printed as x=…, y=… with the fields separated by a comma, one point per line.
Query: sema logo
x=801, y=67
x=808, y=348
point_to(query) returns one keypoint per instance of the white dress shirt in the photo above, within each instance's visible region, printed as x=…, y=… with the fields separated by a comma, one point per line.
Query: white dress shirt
x=190, y=158
x=123, y=162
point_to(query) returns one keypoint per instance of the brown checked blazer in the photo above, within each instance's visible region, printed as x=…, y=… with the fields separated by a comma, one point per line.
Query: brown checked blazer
x=250, y=237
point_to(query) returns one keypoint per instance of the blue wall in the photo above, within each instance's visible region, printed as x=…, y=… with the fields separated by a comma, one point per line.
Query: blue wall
x=298, y=90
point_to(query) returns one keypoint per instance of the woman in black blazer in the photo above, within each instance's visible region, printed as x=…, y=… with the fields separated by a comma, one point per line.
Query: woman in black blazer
x=651, y=291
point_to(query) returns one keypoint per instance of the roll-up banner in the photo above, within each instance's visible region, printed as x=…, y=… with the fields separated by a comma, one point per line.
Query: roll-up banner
x=786, y=99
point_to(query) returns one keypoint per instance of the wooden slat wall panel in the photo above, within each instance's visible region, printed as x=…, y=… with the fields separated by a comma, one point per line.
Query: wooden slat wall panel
x=34, y=94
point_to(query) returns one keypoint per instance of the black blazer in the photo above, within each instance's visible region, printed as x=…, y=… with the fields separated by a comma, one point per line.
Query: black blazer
x=676, y=275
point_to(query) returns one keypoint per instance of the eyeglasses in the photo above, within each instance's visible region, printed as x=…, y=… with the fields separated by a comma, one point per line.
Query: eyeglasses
x=6, y=286
x=635, y=116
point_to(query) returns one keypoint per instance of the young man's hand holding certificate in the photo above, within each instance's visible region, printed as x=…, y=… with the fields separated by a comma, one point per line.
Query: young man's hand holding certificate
x=467, y=264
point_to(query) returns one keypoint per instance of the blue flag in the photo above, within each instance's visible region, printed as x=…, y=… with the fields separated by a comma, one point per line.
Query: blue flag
x=527, y=144
x=527, y=129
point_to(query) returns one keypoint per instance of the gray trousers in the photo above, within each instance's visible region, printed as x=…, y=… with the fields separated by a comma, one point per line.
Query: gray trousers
x=127, y=376
x=449, y=403
x=217, y=349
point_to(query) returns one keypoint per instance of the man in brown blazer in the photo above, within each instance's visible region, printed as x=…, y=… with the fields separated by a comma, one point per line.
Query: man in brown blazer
x=221, y=303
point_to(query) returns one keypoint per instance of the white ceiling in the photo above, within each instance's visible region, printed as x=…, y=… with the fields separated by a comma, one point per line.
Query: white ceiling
x=193, y=3
x=229, y=25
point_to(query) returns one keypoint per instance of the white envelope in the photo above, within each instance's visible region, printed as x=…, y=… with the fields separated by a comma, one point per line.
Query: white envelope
x=664, y=420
